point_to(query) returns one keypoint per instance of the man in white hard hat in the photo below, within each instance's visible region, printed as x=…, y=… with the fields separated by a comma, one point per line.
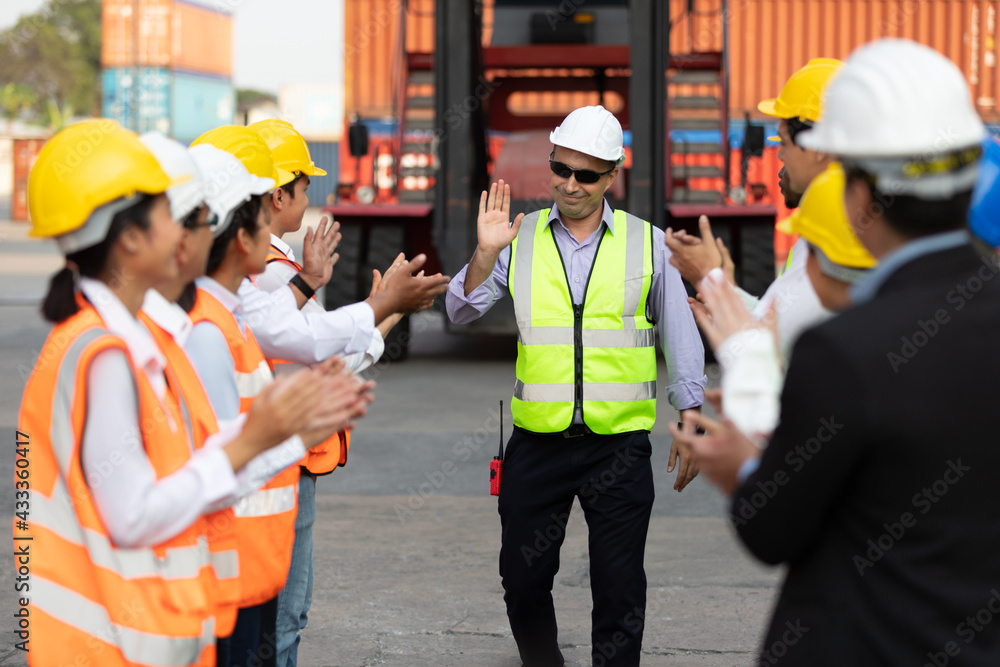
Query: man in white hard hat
x=589, y=285
x=879, y=486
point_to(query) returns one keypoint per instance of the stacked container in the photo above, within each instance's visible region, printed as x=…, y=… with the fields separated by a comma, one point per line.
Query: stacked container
x=168, y=65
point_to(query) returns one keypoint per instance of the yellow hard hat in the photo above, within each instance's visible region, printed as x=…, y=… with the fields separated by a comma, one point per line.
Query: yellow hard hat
x=84, y=167
x=821, y=219
x=802, y=96
x=288, y=148
x=249, y=148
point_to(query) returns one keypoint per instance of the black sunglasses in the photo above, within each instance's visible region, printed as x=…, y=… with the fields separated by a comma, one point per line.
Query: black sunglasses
x=582, y=175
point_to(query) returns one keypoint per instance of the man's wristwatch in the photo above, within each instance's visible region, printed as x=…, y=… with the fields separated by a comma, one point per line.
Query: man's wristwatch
x=302, y=285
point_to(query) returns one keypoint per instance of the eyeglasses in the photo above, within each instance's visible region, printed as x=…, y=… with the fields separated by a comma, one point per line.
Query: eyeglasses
x=582, y=175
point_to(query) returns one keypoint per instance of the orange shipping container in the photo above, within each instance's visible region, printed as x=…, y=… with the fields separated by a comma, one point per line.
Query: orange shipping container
x=166, y=33
x=768, y=41
x=372, y=50
x=25, y=153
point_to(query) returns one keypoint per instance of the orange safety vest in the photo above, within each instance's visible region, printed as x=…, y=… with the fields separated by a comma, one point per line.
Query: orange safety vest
x=265, y=520
x=200, y=421
x=332, y=453
x=91, y=601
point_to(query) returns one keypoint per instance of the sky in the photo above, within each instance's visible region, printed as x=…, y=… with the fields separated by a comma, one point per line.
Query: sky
x=276, y=42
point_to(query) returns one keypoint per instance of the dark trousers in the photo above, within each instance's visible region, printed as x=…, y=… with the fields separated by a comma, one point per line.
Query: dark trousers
x=613, y=478
x=253, y=642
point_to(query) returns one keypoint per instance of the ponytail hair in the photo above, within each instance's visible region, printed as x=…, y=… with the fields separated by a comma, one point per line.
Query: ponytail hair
x=60, y=301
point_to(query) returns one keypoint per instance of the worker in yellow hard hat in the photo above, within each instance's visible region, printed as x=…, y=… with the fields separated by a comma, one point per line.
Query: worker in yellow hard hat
x=798, y=106
x=288, y=203
x=102, y=381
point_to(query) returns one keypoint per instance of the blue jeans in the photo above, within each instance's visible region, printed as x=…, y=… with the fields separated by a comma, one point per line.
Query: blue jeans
x=296, y=597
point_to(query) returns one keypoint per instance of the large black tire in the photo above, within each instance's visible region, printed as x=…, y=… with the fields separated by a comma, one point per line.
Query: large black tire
x=384, y=243
x=756, y=261
x=347, y=284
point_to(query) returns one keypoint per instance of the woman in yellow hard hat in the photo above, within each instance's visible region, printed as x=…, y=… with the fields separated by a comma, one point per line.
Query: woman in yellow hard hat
x=752, y=375
x=114, y=499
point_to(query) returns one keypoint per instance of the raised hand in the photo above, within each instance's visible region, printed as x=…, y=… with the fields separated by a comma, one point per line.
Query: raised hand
x=493, y=226
x=319, y=253
x=694, y=257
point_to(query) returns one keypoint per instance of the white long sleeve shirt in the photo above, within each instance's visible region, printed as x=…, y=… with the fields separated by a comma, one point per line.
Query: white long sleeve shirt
x=172, y=319
x=796, y=302
x=210, y=356
x=138, y=509
x=275, y=279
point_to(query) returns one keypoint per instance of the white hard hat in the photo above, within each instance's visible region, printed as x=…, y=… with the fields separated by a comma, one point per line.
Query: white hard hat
x=173, y=157
x=227, y=183
x=902, y=112
x=594, y=131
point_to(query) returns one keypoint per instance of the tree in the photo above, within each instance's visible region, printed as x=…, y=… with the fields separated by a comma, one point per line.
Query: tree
x=55, y=53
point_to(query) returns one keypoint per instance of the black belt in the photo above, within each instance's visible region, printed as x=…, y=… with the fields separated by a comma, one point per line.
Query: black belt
x=577, y=431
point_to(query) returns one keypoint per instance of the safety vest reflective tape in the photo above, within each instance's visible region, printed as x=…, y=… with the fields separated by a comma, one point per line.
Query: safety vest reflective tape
x=200, y=422
x=266, y=502
x=597, y=357
x=141, y=648
x=249, y=385
x=265, y=527
x=160, y=599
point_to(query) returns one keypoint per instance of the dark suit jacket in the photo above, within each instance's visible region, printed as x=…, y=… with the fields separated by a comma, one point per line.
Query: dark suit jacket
x=881, y=485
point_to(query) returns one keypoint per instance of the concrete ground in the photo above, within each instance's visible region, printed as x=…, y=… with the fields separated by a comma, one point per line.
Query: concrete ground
x=406, y=555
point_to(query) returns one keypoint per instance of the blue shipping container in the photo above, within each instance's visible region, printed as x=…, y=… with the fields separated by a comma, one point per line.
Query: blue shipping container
x=137, y=97
x=199, y=104
x=178, y=104
x=326, y=155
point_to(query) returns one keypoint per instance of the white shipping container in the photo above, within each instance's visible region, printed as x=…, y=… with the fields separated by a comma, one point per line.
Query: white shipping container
x=315, y=109
x=6, y=176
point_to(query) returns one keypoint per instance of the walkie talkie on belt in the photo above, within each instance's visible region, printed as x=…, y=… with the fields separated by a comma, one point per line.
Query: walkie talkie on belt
x=496, y=465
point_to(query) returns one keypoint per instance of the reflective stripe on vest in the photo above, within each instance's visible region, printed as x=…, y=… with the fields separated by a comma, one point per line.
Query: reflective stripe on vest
x=72, y=609
x=266, y=502
x=200, y=421
x=598, y=356
x=265, y=526
x=249, y=385
x=160, y=598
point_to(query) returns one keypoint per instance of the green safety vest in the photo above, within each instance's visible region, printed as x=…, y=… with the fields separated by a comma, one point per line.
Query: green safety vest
x=598, y=356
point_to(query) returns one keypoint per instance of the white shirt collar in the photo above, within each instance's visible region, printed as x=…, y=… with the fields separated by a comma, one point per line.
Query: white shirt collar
x=283, y=247
x=119, y=321
x=168, y=316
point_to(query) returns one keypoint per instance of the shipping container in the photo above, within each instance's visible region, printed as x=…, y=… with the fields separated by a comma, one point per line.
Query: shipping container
x=768, y=41
x=25, y=153
x=178, y=104
x=326, y=156
x=6, y=176
x=168, y=34
x=198, y=104
x=137, y=97
x=316, y=110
